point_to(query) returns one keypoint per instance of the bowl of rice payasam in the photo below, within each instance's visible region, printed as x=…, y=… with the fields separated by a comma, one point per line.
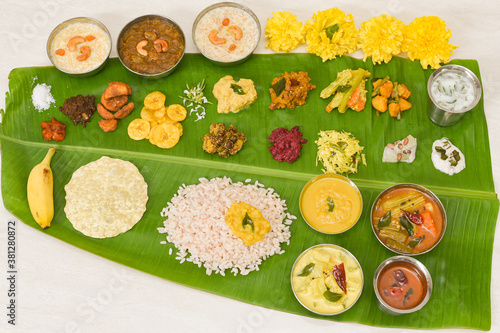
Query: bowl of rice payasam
x=226, y=33
x=79, y=46
x=327, y=279
x=330, y=203
x=408, y=219
x=151, y=46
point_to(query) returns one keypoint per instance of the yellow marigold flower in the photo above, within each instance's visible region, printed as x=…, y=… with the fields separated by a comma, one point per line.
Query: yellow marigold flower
x=426, y=39
x=331, y=33
x=285, y=33
x=381, y=38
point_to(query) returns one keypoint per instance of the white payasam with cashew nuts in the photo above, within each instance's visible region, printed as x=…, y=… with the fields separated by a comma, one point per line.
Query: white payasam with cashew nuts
x=226, y=34
x=80, y=47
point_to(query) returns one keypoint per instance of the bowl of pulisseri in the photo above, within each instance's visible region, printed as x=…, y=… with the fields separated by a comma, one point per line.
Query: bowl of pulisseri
x=327, y=279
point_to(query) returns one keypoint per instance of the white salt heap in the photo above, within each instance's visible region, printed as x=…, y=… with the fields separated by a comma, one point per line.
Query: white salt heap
x=41, y=97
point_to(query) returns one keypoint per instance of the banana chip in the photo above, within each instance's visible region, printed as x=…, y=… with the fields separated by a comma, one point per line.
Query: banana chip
x=154, y=100
x=177, y=112
x=147, y=114
x=138, y=129
x=179, y=126
x=166, y=135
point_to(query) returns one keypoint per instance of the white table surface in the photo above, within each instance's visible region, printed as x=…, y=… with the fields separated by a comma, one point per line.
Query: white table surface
x=64, y=289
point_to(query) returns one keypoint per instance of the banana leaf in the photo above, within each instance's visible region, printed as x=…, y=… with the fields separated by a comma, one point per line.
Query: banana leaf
x=460, y=265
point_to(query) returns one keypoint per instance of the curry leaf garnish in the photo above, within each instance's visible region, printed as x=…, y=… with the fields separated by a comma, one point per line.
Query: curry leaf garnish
x=331, y=296
x=405, y=223
x=248, y=221
x=408, y=293
x=384, y=220
x=414, y=242
x=307, y=270
x=331, y=204
x=344, y=88
x=279, y=86
x=330, y=31
x=237, y=89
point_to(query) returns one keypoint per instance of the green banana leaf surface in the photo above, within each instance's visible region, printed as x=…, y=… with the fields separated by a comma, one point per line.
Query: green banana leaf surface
x=461, y=293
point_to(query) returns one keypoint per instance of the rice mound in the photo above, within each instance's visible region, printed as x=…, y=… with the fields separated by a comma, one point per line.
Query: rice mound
x=105, y=198
x=195, y=224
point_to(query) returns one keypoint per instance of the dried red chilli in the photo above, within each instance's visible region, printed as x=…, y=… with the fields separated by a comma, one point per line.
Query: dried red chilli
x=414, y=218
x=339, y=275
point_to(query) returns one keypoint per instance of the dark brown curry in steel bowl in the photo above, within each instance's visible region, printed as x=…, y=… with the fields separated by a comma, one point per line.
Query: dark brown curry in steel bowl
x=151, y=45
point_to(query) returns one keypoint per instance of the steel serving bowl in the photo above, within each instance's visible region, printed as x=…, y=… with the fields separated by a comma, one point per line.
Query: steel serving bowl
x=427, y=192
x=64, y=25
x=220, y=5
x=333, y=246
x=417, y=266
x=336, y=176
x=140, y=19
x=440, y=115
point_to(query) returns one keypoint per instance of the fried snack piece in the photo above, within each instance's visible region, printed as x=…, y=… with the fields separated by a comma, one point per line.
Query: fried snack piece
x=115, y=103
x=223, y=141
x=116, y=89
x=124, y=111
x=104, y=113
x=54, y=130
x=138, y=129
x=108, y=125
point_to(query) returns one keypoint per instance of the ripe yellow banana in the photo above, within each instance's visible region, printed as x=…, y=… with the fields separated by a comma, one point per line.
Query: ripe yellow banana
x=40, y=191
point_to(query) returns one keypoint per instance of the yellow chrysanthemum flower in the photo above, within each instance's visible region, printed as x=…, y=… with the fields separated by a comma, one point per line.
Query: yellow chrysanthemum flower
x=381, y=38
x=426, y=39
x=285, y=33
x=331, y=33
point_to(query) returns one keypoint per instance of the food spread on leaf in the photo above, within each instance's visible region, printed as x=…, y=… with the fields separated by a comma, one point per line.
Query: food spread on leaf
x=446, y=157
x=407, y=220
x=348, y=90
x=327, y=279
x=400, y=151
x=247, y=223
x=339, y=152
x=290, y=90
x=286, y=144
x=234, y=96
x=390, y=95
x=224, y=141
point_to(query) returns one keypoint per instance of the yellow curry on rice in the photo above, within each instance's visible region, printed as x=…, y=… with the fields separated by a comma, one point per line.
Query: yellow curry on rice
x=247, y=223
